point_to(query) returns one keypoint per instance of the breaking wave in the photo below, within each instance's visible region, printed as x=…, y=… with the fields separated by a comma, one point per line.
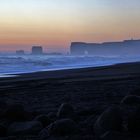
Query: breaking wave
x=13, y=64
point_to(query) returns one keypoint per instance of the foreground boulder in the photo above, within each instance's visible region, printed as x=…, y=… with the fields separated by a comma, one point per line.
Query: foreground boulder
x=133, y=122
x=44, y=134
x=131, y=100
x=24, y=128
x=3, y=104
x=113, y=135
x=136, y=91
x=81, y=137
x=109, y=120
x=3, y=130
x=62, y=127
x=44, y=119
x=65, y=111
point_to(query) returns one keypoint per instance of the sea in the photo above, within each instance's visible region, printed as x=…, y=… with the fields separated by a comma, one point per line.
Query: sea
x=14, y=64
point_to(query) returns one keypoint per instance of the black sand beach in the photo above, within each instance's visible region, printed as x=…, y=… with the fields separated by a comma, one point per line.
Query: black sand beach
x=89, y=90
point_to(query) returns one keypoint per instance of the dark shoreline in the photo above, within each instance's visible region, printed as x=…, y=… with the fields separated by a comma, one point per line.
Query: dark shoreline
x=89, y=90
x=86, y=80
x=75, y=80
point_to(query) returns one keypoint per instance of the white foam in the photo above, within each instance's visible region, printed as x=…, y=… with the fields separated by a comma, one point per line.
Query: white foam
x=12, y=64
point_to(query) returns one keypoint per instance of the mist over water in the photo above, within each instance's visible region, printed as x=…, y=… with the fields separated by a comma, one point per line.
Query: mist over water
x=14, y=64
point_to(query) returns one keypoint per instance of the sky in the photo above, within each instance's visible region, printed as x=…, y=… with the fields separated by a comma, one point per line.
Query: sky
x=54, y=24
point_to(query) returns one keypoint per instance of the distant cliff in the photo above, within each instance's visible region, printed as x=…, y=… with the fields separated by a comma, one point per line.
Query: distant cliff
x=126, y=47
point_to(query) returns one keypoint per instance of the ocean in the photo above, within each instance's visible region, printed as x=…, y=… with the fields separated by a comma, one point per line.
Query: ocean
x=15, y=64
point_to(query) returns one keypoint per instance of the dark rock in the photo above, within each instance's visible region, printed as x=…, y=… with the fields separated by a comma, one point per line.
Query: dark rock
x=3, y=130
x=81, y=137
x=3, y=105
x=109, y=120
x=9, y=138
x=44, y=134
x=16, y=112
x=62, y=128
x=65, y=111
x=113, y=135
x=136, y=92
x=131, y=100
x=35, y=113
x=44, y=119
x=57, y=138
x=133, y=123
x=86, y=112
x=87, y=124
x=25, y=128
x=52, y=116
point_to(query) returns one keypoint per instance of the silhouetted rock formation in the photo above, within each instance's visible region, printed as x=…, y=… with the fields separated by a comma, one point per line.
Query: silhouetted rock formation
x=37, y=50
x=20, y=52
x=107, y=48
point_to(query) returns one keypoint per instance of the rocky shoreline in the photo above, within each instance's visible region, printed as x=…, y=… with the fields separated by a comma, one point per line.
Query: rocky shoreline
x=85, y=104
x=119, y=122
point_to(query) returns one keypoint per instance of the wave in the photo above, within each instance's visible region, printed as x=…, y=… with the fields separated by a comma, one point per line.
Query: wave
x=12, y=64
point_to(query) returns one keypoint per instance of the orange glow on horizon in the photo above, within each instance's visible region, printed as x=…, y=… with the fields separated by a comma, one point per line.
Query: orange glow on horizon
x=55, y=25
